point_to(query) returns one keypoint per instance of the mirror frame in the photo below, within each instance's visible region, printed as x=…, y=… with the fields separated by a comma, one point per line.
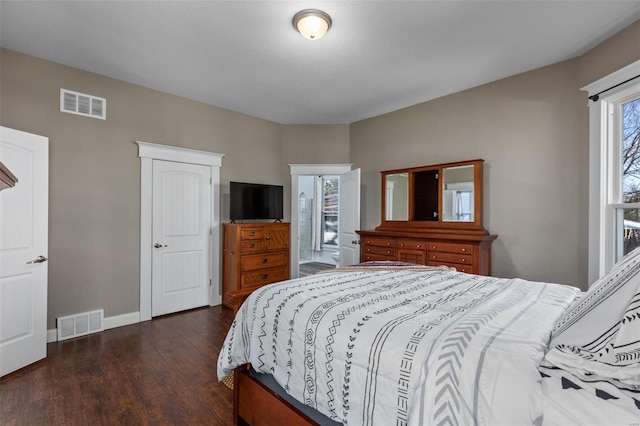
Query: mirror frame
x=435, y=225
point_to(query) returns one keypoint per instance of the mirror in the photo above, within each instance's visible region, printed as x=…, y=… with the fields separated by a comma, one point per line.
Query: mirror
x=397, y=196
x=445, y=196
x=457, y=194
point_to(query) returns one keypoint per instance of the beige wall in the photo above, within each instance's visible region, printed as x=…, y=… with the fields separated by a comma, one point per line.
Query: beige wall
x=94, y=210
x=532, y=131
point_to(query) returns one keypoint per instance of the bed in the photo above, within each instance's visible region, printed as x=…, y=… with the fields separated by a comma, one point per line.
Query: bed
x=393, y=343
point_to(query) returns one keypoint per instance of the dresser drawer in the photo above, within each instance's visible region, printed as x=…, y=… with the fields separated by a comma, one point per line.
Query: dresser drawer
x=464, y=259
x=379, y=242
x=412, y=244
x=366, y=257
x=252, y=246
x=451, y=247
x=261, y=261
x=460, y=268
x=265, y=276
x=256, y=233
x=385, y=251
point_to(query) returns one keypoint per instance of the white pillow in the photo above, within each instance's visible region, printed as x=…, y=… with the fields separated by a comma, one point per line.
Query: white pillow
x=600, y=333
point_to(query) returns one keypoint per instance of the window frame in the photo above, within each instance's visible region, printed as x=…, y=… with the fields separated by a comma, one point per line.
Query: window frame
x=604, y=166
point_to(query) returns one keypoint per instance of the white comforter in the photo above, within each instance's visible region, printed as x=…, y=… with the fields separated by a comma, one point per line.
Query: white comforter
x=402, y=346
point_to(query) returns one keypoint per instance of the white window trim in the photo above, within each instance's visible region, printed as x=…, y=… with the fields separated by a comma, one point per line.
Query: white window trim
x=600, y=192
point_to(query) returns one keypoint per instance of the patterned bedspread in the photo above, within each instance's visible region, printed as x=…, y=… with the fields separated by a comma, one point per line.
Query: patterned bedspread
x=402, y=346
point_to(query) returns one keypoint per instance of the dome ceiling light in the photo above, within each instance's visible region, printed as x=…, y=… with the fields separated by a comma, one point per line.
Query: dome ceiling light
x=312, y=23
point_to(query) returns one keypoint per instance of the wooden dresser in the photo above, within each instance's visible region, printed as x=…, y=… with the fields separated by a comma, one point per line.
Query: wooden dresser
x=432, y=215
x=467, y=253
x=255, y=254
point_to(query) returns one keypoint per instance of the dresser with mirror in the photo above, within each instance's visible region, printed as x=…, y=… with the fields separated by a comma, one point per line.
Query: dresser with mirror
x=432, y=215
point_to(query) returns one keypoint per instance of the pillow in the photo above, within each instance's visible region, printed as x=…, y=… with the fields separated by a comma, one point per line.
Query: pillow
x=600, y=332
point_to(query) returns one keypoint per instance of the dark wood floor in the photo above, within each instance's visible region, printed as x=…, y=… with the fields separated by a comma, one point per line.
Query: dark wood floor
x=153, y=373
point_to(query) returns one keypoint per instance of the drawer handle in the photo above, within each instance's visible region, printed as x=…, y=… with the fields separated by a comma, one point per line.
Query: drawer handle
x=265, y=260
x=267, y=238
x=401, y=244
x=388, y=251
x=252, y=233
x=434, y=247
x=265, y=276
x=464, y=260
x=434, y=257
x=252, y=246
x=388, y=244
x=464, y=249
x=417, y=245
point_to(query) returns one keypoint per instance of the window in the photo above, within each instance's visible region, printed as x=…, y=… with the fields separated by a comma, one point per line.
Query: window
x=614, y=190
x=627, y=232
x=330, y=210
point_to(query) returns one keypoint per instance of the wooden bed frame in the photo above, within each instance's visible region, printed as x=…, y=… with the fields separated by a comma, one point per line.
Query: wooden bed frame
x=253, y=402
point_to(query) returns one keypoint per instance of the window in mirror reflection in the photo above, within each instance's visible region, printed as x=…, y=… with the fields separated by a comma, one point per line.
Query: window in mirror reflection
x=396, y=196
x=457, y=194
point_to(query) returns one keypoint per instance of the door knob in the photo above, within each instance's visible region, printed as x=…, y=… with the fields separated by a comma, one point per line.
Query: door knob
x=38, y=259
x=158, y=245
x=355, y=242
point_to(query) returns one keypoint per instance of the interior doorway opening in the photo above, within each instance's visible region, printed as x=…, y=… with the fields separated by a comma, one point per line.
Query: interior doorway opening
x=318, y=223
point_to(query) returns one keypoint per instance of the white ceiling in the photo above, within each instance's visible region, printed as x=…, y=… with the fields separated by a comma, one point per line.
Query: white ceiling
x=379, y=56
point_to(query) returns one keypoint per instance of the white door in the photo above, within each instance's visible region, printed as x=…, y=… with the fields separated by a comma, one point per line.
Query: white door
x=181, y=236
x=23, y=250
x=349, y=218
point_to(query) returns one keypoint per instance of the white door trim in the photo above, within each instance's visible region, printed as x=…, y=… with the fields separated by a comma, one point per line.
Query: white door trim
x=297, y=170
x=147, y=153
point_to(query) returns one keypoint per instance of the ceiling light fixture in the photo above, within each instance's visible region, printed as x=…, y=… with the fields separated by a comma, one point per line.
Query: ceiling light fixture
x=312, y=23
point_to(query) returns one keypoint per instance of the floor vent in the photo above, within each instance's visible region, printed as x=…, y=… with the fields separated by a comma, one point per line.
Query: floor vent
x=82, y=104
x=80, y=324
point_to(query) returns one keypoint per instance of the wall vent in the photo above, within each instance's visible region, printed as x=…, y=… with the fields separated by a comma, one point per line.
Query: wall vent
x=83, y=104
x=80, y=324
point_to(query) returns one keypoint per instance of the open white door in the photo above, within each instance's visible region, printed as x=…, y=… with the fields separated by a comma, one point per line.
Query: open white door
x=24, y=222
x=349, y=217
x=181, y=236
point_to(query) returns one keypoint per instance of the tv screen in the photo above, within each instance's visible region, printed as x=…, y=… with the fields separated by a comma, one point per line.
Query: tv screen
x=255, y=201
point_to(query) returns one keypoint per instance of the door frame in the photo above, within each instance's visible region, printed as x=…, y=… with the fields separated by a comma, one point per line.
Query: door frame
x=297, y=170
x=148, y=152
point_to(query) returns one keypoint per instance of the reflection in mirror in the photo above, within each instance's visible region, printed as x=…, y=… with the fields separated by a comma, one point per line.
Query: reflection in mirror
x=457, y=194
x=396, y=196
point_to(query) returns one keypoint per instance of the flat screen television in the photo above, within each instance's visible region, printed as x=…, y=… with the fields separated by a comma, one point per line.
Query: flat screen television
x=251, y=201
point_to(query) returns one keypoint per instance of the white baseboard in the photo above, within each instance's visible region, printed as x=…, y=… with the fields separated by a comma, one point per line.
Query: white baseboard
x=109, y=322
x=120, y=320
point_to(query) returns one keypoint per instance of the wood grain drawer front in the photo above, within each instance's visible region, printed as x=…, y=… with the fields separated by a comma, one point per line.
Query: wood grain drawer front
x=380, y=242
x=385, y=251
x=412, y=244
x=252, y=246
x=261, y=261
x=412, y=256
x=256, y=233
x=278, y=238
x=265, y=276
x=468, y=269
x=451, y=247
x=464, y=259
x=366, y=257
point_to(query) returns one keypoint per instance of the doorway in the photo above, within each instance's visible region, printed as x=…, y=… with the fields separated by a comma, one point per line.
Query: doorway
x=323, y=218
x=149, y=154
x=318, y=224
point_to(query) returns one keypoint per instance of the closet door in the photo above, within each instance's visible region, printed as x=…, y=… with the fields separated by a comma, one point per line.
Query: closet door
x=181, y=236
